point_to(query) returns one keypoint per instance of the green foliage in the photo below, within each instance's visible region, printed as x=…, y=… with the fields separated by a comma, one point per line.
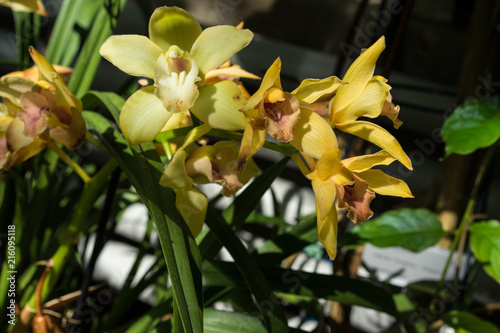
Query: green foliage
x=485, y=244
x=412, y=229
x=465, y=322
x=473, y=125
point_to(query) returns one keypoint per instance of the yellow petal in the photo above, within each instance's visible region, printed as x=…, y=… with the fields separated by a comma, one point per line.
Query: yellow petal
x=192, y=205
x=45, y=68
x=327, y=231
x=143, y=116
x=366, y=162
x=384, y=184
x=271, y=79
x=368, y=104
x=378, y=136
x=13, y=87
x=357, y=76
x=312, y=135
x=173, y=26
x=133, y=54
x=253, y=139
x=311, y=90
x=218, y=105
x=15, y=135
x=175, y=175
x=325, y=193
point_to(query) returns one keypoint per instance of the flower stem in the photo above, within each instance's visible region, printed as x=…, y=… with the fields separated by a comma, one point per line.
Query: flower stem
x=72, y=164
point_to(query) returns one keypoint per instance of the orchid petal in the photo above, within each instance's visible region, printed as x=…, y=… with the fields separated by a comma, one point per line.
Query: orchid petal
x=325, y=193
x=195, y=134
x=253, y=139
x=366, y=162
x=368, y=104
x=357, y=76
x=15, y=135
x=313, y=135
x=73, y=135
x=133, y=54
x=199, y=162
x=25, y=153
x=45, y=68
x=173, y=26
x=36, y=111
x=218, y=105
x=378, y=136
x=384, y=184
x=217, y=44
x=357, y=198
x=175, y=175
x=311, y=90
x=143, y=116
x=13, y=87
x=327, y=231
x=271, y=79
x=192, y=205
x=235, y=71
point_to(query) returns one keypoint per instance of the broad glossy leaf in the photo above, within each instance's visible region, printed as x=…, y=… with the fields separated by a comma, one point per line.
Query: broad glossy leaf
x=473, y=125
x=465, y=322
x=485, y=243
x=222, y=321
x=412, y=229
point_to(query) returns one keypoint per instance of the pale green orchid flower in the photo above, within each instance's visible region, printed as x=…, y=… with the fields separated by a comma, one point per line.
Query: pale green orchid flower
x=202, y=165
x=350, y=181
x=366, y=95
x=177, y=56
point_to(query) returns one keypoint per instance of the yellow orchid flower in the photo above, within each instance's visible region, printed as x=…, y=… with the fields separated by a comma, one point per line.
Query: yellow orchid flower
x=177, y=56
x=202, y=165
x=276, y=112
x=368, y=96
x=29, y=6
x=350, y=181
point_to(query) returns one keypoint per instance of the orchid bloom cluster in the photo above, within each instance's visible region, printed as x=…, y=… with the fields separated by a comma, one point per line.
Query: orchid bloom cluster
x=190, y=75
x=37, y=108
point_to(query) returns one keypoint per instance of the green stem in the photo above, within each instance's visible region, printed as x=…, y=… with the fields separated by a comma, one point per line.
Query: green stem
x=72, y=164
x=466, y=220
x=68, y=237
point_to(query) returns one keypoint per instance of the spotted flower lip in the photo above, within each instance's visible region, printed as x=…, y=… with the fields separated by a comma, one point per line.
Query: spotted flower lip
x=177, y=56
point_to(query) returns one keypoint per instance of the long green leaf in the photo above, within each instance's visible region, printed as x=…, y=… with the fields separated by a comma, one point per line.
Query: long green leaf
x=144, y=168
x=63, y=30
x=464, y=322
x=230, y=322
x=251, y=273
x=89, y=58
x=335, y=288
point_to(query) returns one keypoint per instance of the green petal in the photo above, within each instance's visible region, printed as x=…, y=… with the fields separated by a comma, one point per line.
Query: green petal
x=175, y=175
x=311, y=90
x=357, y=76
x=195, y=134
x=143, y=116
x=192, y=205
x=173, y=26
x=218, y=105
x=271, y=79
x=217, y=44
x=135, y=55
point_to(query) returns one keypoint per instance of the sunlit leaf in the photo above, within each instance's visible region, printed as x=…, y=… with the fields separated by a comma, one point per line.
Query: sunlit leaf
x=485, y=244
